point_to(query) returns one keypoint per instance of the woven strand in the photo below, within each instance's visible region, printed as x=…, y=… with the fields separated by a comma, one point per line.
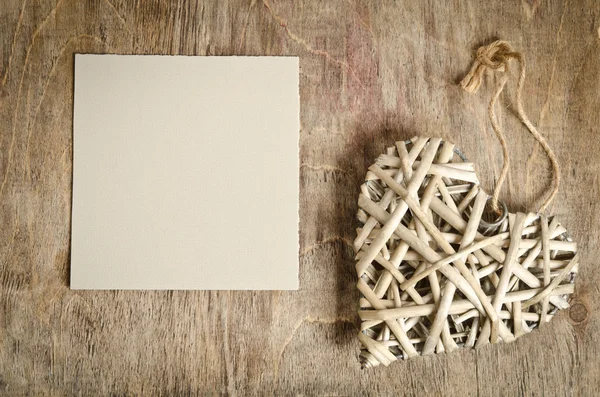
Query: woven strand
x=432, y=276
x=496, y=57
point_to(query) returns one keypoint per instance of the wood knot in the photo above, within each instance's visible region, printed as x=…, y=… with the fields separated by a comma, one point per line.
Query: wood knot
x=578, y=313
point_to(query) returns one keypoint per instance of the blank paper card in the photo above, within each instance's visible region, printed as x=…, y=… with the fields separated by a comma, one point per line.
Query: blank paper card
x=185, y=173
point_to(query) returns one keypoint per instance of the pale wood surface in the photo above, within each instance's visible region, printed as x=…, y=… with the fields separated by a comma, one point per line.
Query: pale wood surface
x=371, y=73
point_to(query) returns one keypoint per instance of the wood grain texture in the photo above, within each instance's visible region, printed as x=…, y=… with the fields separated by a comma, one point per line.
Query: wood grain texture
x=371, y=73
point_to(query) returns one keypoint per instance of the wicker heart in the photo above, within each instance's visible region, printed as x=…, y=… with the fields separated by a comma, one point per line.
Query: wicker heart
x=434, y=273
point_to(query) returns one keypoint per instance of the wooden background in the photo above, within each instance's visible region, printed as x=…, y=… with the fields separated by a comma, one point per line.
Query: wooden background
x=371, y=73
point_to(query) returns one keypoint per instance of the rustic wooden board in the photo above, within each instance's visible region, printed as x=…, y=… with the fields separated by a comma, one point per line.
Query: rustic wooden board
x=371, y=73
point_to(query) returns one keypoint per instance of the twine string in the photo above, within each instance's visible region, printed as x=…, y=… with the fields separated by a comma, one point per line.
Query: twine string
x=496, y=57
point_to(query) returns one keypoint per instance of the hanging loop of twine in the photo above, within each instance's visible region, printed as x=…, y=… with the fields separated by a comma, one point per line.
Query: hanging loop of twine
x=496, y=57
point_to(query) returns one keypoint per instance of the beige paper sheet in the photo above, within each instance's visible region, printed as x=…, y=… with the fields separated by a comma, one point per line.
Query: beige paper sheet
x=185, y=173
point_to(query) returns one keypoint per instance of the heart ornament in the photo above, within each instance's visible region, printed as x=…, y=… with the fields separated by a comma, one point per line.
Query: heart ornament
x=437, y=269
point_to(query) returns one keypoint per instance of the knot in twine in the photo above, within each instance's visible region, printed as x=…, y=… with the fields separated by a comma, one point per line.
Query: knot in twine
x=496, y=57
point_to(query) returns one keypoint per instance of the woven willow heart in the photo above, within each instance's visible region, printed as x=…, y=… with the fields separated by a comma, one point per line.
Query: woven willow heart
x=435, y=274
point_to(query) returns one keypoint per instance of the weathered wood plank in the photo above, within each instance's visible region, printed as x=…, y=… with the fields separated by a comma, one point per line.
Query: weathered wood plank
x=371, y=73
